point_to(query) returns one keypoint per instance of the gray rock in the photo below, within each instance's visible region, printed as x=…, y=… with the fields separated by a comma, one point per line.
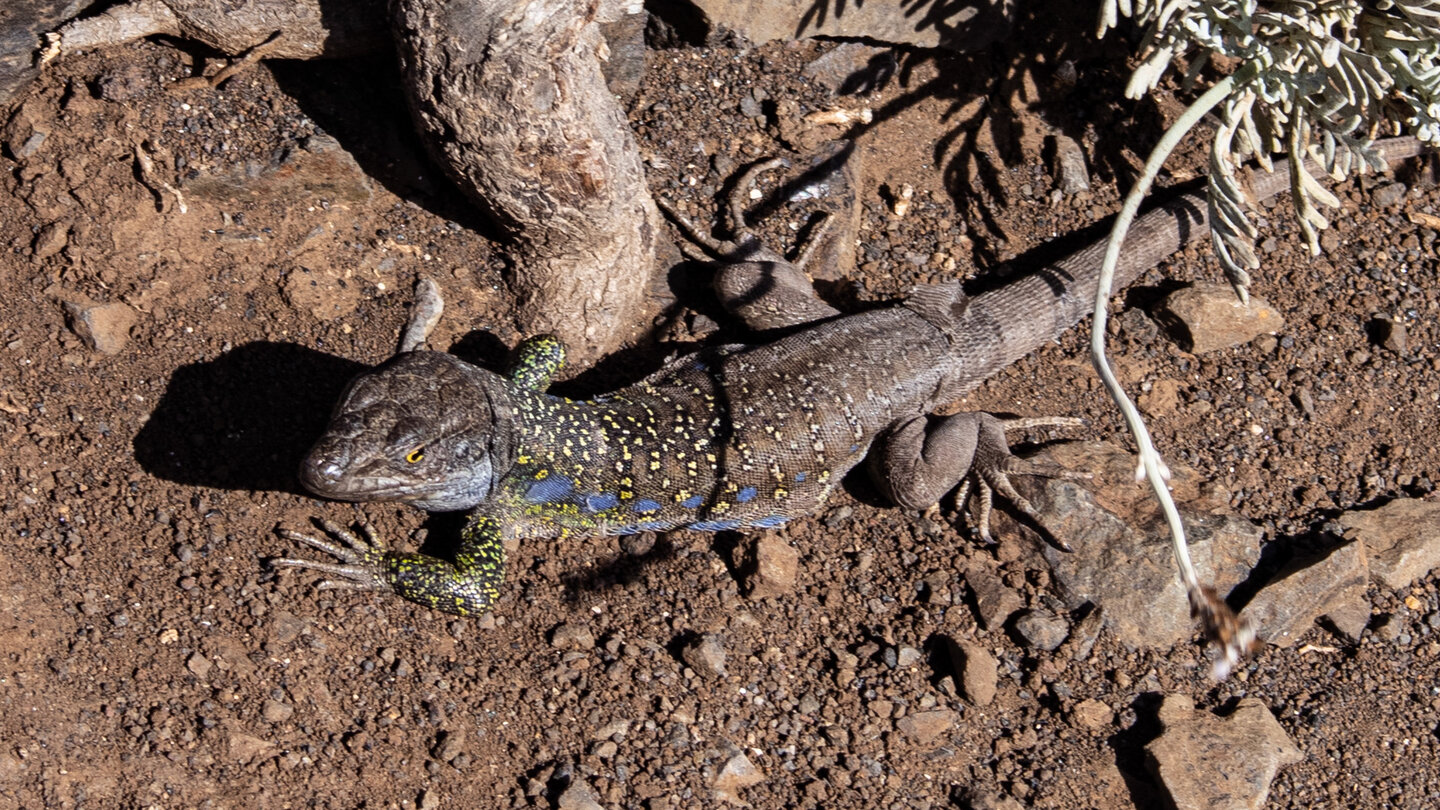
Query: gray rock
x=1389, y=194
x=737, y=773
x=572, y=636
x=1071, y=175
x=768, y=566
x=1305, y=401
x=1042, y=629
x=638, y=545
x=199, y=665
x=979, y=673
x=1091, y=714
x=1138, y=325
x=1402, y=539
x=995, y=603
x=926, y=727
x=1349, y=619
x=1390, y=334
x=1212, y=763
x=1163, y=398
x=105, y=328
x=1122, y=560
x=1205, y=316
x=1306, y=589
x=320, y=167
x=51, y=239
x=578, y=796
x=275, y=711
x=246, y=748
x=614, y=728
x=706, y=655
x=26, y=131
x=957, y=26
x=830, y=183
x=907, y=657
x=625, y=66
x=851, y=67
x=1084, y=635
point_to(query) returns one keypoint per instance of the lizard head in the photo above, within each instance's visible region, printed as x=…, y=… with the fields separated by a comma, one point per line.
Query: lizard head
x=425, y=429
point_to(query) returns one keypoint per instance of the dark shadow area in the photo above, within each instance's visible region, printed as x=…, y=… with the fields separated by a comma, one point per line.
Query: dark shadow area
x=618, y=370
x=945, y=659
x=1287, y=553
x=484, y=349
x=442, y=534
x=1129, y=747
x=245, y=419
x=622, y=569
x=1274, y=556
x=361, y=104
x=674, y=24
x=611, y=373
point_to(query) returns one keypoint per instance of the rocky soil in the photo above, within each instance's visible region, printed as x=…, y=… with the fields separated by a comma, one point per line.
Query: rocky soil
x=191, y=275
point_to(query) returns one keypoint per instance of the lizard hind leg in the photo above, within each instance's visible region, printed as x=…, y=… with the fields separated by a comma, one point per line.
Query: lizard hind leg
x=926, y=457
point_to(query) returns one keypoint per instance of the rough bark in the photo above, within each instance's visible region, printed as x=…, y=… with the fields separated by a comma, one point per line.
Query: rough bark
x=510, y=98
x=307, y=28
x=22, y=22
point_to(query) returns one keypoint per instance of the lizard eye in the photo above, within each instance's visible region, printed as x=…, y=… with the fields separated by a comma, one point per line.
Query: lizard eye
x=414, y=456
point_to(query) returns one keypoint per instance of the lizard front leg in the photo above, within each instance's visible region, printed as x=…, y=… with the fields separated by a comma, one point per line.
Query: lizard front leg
x=466, y=587
x=919, y=461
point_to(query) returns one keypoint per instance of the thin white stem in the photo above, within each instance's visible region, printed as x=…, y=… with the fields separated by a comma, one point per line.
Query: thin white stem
x=1149, y=458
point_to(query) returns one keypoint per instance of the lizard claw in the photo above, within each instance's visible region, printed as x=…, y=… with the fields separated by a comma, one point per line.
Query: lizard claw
x=990, y=472
x=361, y=557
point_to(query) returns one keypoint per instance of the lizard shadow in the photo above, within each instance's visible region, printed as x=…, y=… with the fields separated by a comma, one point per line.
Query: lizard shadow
x=244, y=419
x=621, y=569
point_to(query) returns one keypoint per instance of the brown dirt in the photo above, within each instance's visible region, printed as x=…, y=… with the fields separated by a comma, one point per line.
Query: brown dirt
x=153, y=659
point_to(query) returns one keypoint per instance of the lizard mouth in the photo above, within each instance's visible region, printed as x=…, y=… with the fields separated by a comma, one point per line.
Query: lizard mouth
x=328, y=481
x=328, y=478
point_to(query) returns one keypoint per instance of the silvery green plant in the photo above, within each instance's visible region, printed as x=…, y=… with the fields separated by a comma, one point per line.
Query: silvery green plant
x=1312, y=78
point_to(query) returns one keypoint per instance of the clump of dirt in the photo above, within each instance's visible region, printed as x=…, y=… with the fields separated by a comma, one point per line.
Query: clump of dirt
x=264, y=238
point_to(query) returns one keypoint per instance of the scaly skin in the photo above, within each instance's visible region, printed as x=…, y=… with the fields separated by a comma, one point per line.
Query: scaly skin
x=673, y=451
x=728, y=438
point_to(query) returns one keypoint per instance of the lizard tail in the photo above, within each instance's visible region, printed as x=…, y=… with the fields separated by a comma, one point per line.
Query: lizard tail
x=1038, y=308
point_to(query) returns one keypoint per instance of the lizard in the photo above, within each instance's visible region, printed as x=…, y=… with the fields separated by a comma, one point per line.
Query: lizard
x=734, y=437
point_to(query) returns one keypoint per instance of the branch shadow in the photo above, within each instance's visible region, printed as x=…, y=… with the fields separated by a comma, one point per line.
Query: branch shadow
x=361, y=103
x=959, y=24
x=1129, y=744
x=1027, y=62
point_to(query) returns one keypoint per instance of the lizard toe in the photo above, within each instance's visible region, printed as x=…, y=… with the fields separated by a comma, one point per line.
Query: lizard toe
x=362, y=557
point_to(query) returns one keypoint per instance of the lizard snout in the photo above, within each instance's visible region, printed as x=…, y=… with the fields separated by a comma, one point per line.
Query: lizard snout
x=322, y=474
